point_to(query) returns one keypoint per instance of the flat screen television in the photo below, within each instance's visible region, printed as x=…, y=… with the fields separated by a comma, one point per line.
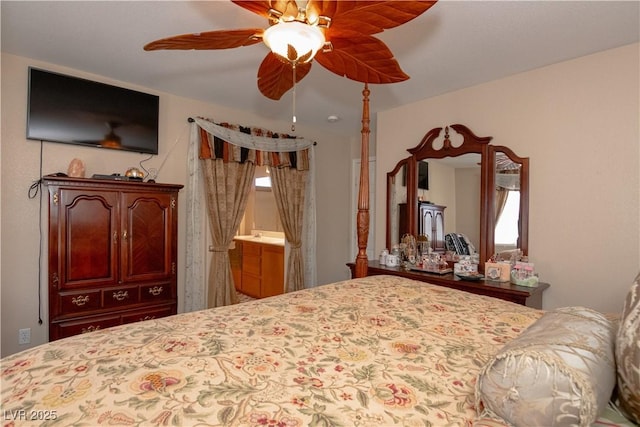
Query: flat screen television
x=423, y=175
x=72, y=110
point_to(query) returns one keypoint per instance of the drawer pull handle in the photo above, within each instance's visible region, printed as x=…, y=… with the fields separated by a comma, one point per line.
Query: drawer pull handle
x=147, y=318
x=90, y=329
x=80, y=300
x=120, y=295
x=155, y=291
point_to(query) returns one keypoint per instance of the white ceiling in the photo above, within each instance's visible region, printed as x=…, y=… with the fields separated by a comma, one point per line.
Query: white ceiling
x=455, y=44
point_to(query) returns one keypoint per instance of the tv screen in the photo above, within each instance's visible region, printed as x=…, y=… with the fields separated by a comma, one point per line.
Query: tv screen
x=423, y=175
x=72, y=110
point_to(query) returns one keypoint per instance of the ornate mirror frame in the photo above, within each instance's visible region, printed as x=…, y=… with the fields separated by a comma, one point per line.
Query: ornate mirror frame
x=402, y=170
x=471, y=143
x=523, y=222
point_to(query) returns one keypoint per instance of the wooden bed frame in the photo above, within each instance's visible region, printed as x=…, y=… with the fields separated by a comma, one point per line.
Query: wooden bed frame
x=362, y=220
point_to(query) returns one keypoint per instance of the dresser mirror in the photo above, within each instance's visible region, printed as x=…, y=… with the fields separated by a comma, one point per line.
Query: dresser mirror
x=475, y=184
x=510, y=204
x=397, y=191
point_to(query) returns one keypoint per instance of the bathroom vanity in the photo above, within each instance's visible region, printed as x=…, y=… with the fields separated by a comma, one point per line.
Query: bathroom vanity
x=257, y=264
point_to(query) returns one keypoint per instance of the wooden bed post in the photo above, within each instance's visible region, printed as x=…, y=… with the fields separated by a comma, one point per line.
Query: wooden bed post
x=363, y=191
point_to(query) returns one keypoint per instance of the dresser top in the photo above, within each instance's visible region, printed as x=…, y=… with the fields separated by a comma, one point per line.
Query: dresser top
x=91, y=182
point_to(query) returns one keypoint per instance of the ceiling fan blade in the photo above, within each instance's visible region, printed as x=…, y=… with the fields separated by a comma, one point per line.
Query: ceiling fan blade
x=317, y=8
x=224, y=39
x=367, y=17
x=275, y=77
x=261, y=7
x=362, y=58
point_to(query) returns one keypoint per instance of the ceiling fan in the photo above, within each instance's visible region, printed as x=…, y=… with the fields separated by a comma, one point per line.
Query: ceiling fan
x=338, y=34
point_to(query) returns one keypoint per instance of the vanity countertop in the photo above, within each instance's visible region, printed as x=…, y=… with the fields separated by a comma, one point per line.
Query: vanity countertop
x=278, y=241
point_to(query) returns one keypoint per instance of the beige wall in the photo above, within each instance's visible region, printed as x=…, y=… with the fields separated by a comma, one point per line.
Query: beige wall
x=578, y=122
x=467, y=204
x=20, y=168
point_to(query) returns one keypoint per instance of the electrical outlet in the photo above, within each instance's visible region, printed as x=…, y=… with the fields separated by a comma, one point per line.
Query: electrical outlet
x=24, y=336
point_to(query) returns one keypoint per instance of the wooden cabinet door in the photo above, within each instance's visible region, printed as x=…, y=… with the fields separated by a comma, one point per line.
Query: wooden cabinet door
x=251, y=269
x=147, y=236
x=272, y=270
x=431, y=224
x=425, y=225
x=84, y=240
x=438, y=231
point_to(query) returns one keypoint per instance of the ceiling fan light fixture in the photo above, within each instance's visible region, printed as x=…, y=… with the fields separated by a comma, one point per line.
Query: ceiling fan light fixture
x=305, y=40
x=111, y=140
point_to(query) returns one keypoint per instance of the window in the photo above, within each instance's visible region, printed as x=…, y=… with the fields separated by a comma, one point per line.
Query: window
x=264, y=182
x=507, y=227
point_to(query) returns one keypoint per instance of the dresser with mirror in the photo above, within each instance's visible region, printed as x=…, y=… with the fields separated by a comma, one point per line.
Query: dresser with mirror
x=467, y=182
x=475, y=186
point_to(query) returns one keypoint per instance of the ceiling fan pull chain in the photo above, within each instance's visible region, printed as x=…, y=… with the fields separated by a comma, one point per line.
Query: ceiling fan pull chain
x=293, y=118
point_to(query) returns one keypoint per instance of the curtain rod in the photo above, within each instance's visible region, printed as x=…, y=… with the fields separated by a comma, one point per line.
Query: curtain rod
x=191, y=120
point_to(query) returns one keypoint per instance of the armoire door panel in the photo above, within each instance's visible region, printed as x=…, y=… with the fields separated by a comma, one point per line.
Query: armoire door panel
x=426, y=224
x=87, y=238
x=438, y=232
x=147, y=237
x=431, y=224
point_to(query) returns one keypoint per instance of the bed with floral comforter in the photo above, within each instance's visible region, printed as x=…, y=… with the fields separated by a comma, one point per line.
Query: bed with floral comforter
x=376, y=351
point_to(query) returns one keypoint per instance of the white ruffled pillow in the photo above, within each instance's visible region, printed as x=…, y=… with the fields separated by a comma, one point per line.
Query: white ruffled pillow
x=560, y=371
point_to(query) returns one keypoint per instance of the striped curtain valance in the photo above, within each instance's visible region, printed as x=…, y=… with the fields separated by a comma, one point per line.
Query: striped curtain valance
x=234, y=143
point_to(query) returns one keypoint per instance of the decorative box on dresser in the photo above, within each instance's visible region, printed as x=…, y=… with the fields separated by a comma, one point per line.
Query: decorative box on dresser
x=112, y=253
x=531, y=297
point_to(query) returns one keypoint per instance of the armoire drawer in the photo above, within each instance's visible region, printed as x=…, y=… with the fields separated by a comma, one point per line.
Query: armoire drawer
x=75, y=327
x=155, y=292
x=148, y=314
x=80, y=302
x=120, y=297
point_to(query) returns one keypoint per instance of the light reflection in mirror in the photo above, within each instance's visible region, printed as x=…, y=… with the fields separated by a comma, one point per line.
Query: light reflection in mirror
x=506, y=234
x=398, y=197
x=507, y=203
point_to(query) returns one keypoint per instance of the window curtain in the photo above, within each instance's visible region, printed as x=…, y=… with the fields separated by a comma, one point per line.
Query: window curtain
x=289, y=190
x=234, y=145
x=501, y=201
x=228, y=185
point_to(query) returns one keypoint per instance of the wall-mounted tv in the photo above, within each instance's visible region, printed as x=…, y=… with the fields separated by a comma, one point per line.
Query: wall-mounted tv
x=72, y=110
x=423, y=175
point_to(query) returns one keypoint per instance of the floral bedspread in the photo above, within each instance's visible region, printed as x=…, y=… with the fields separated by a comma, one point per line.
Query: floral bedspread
x=377, y=351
